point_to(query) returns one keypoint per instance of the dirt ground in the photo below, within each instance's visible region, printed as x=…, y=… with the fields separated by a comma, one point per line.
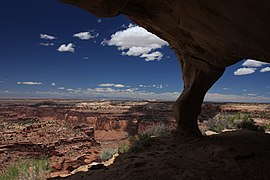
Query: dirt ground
x=237, y=155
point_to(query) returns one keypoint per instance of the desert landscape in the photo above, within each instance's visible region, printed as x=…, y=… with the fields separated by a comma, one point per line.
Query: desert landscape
x=77, y=135
x=92, y=89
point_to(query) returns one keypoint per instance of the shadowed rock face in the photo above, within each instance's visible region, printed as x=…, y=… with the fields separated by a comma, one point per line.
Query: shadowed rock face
x=207, y=36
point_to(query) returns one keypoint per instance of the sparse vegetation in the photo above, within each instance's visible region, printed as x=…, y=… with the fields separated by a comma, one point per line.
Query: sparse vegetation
x=157, y=130
x=140, y=142
x=233, y=121
x=123, y=148
x=143, y=140
x=27, y=169
x=26, y=121
x=264, y=128
x=107, y=154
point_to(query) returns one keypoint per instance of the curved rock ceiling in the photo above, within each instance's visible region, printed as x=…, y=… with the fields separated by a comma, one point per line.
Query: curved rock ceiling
x=207, y=36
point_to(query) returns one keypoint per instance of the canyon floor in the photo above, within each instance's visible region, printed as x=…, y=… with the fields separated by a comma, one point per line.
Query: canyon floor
x=73, y=134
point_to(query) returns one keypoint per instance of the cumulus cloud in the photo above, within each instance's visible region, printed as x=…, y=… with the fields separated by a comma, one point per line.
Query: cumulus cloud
x=158, y=86
x=111, y=85
x=46, y=36
x=46, y=44
x=251, y=94
x=130, y=93
x=133, y=93
x=70, y=89
x=244, y=71
x=119, y=85
x=152, y=56
x=235, y=98
x=61, y=88
x=85, y=35
x=53, y=84
x=66, y=48
x=266, y=69
x=110, y=93
x=29, y=83
x=253, y=63
x=137, y=41
x=105, y=85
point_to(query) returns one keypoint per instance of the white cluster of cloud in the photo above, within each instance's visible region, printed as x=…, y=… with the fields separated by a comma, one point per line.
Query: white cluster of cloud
x=129, y=93
x=66, y=48
x=250, y=94
x=29, y=83
x=253, y=63
x=53, y=84
x=46, y=36
x=266, y=69
x=216, y=97
x=46, y=44
x=158, y=86
x=85, y=35
x=112, y=85
x=110, y=93
x=137, y=41
x=250, y=67
x=111, y=90
x=244, y=71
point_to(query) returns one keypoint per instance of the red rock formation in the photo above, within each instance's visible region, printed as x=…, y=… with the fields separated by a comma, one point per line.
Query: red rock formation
x=207, y=36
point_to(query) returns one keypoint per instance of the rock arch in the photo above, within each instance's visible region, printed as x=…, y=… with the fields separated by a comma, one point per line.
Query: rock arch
x=207, y=36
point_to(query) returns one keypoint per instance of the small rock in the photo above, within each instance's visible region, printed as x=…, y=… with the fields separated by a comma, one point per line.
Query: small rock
x=57, y=163
x=59, y=173
x=209, y=133
x=56, y=166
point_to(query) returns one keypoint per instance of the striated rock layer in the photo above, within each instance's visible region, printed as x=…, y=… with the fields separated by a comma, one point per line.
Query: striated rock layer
x=207, y=36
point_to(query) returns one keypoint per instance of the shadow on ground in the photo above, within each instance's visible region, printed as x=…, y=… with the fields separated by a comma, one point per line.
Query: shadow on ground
x=241, y=154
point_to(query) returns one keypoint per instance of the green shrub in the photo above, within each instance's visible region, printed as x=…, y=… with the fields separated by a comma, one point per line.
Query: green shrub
x=156, y=130
x=123, y=148
x=107, y=154
x=263, y=128
x=266, y=126
x=144, y=140
x=27, y=169
x=249, y=124
x=219, y=124
x=233, y=121
x=140, y=142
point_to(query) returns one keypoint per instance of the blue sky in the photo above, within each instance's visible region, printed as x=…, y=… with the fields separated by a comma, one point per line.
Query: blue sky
x=53, y=50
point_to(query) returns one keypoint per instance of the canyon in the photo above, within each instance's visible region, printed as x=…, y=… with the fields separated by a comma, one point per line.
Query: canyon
x=73, y=133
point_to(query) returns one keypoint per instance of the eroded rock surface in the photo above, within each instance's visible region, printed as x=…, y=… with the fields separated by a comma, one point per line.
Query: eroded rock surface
x=231, y=155
x=73, y=134
x=206, y=35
